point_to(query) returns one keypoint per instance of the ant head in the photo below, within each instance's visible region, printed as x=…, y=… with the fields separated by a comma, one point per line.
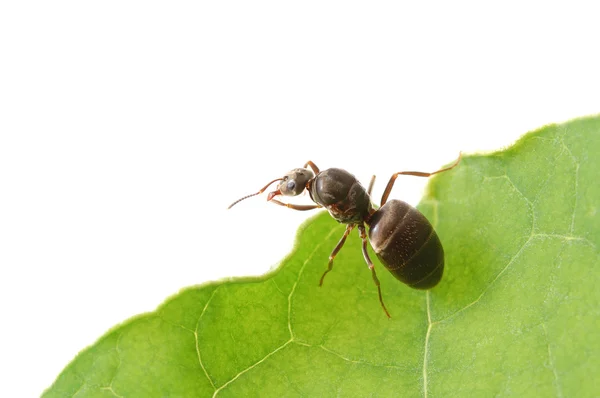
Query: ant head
x=293, y=183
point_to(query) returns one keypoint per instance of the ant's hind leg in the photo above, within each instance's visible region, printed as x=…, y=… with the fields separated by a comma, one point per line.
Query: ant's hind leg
x=390, y=184
x=363, y=236
x=335, y=251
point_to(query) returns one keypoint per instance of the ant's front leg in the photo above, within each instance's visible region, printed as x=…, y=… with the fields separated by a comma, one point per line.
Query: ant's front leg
x=295, y=207
x=312, y=166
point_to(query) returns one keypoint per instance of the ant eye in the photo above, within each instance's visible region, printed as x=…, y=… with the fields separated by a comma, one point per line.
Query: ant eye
x=291, y=185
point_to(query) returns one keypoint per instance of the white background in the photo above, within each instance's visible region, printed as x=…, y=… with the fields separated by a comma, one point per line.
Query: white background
x=127, y=128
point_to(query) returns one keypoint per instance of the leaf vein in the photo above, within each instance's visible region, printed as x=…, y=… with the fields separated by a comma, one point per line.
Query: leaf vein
x=552, y=365
x=355, y=361
x=197, y=343
x=529, y=202
x=426, y=349
x=490, y=284
x=572, y=227
x=252, y=366
x=112, y=391
x=308, y=258
x=79, y=389
x=574, y=159
x=566, y=238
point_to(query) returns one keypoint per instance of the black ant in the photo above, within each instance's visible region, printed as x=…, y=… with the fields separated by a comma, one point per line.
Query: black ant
x=403, y=239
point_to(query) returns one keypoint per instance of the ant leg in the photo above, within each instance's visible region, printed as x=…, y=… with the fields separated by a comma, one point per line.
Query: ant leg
x=335, y=251
x=371, y=185
x=363, y=236
x=390, y=184
x=295, y=207
x=312, y=166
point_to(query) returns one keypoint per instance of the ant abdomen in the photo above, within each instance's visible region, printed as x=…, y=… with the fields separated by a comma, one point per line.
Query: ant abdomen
x=407, y=244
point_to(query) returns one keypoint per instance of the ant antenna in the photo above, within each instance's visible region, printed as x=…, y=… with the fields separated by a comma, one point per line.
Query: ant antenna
x=254, y=194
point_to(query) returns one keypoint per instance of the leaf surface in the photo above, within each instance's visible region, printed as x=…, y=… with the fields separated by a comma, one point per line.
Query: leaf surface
x=517, y=312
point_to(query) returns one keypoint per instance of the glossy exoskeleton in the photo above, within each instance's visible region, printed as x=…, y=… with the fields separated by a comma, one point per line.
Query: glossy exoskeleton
x=402, y=238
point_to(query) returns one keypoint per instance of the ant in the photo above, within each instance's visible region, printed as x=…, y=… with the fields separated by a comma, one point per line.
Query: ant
x=402, y=238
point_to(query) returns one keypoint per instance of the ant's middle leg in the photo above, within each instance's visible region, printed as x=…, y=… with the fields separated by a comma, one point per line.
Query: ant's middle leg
x=390, y=184
x=335, y=251
x=371, y=185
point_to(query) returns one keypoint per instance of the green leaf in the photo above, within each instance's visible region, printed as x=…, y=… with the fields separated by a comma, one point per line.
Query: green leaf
x=516, y=314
